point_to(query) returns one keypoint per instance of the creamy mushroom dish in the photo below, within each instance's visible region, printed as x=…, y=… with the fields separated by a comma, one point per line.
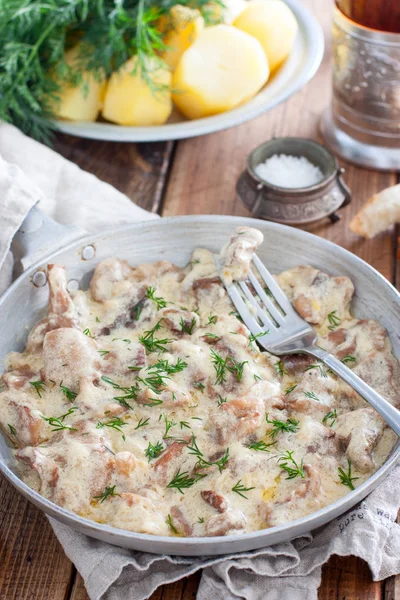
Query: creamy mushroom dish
x=144, y=402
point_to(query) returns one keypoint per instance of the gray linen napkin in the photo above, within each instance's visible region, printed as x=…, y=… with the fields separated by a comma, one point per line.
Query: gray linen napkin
x=289, y=571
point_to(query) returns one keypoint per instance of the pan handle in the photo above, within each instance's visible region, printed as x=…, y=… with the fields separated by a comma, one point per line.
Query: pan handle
x=37, y=235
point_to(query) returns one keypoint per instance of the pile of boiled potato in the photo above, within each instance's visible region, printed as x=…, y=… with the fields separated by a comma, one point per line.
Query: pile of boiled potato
x=204, y=71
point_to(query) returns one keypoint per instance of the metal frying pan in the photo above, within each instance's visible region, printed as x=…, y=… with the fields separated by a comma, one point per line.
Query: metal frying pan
x=174, y=239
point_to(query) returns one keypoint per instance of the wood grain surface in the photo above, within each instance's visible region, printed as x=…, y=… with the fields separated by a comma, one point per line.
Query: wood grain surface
x=192, y=177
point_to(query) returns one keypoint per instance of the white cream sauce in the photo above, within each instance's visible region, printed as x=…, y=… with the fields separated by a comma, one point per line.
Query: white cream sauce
x=184, y=448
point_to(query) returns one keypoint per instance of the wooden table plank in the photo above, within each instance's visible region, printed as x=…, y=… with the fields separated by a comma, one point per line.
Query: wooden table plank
x=137, y=170
x=348, y=578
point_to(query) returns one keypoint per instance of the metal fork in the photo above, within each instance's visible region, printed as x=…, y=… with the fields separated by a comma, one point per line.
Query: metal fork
x=289, y=333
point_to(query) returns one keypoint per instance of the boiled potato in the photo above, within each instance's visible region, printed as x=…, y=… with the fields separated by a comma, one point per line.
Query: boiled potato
x=81, y=103
x=273, y=24
x=129, y=100
x=222, y=69
x=182, y=27
x=228, y=12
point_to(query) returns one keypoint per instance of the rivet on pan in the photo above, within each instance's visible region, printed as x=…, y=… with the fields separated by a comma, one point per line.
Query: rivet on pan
x=73, y=285
x=39, y=279
x=88, y=252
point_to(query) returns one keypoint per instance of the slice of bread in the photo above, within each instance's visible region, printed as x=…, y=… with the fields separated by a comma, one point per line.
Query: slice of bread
x=378, y=214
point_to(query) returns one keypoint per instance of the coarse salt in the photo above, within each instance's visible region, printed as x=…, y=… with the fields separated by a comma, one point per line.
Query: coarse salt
x=288, y=171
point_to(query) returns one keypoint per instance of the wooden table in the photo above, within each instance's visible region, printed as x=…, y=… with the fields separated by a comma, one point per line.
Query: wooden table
x=191, y=177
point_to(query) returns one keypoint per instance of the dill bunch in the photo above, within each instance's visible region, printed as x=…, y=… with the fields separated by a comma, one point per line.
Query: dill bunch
x=35, y=34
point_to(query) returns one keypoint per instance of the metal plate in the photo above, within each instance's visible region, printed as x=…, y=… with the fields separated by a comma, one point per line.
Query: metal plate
x=174, y=239
x=301, y=66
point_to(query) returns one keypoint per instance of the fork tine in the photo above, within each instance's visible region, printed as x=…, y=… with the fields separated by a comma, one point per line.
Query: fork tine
x=261, y=314
x=270, y=306
x=272, y=285
x=243, y=310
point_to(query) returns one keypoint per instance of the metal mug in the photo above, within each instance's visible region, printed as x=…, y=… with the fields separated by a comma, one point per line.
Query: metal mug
x=363, y=123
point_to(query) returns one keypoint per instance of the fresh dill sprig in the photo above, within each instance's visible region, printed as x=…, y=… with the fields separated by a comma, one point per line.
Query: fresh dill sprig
x=159, y=302
x=12, y=429
x=219, y=366
x=236, y=367
x=200, y=520
x=155, y=381
x=347, y=478
x=69, y=394
x=168, y=425
x=333, y=320
x=330, y=416
x=152, y=451
x=212, y=319
x=114, y=423
x=290, y=389
x=280, y=368
x=57, y=423
x=261, y=446
x=239, y=488
x=163, y=365
x=199, y=385
x=108, y=493
x=39, y=387
x=103, y=352
x=312, y=396
x=290, y=426
x=254, y=337
x=169, y=522
x=348, y=359
x=183, y=481
x=187, y=327
x=88, y=333
x=319, y=367
x=202, y=463
x=288, y=464
x=142, y=423
x=221, y=400
x=153, y=344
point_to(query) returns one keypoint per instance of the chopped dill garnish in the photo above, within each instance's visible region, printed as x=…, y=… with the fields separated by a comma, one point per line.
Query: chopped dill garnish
x=114, y=423
x=202, y=463
x=199, y=386
x=212, y=319
x=334, y=320
x=154, y=451
x=39, y=386
x=58, y=422
x=348, y=359
x=221, y=400
x=142, y=423
x=280, y=368
x=200, y=520
x=236, y=367
x=257, y=377
x=288, y=464
x=183, y=424
x=169, y=522
x=347, y=478
x=163, y=365
x=183, y=481
x=98, y=320
x=330, y=416
x=155, y=381
x=312, y=396
x=88, y=333
x=160, y=302
x=153, y=344
x=261, y=446
x=69, y=394
x=317, y=366
x=254, y=337
x=239, y=488
x=153, y=402
x=12, y=429
x=290, y=389
x=103, y=352
x=219, y=366
x=108, y=493
x=187, y=328
x=290, y=426
x=168, y=425
x=212, y=336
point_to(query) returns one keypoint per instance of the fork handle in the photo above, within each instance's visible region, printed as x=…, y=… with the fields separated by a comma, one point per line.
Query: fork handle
x=387, y=411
